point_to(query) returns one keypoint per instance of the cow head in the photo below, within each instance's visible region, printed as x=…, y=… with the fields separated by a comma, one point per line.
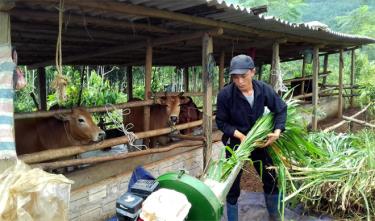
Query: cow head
x=173, y=106
x=81, y=126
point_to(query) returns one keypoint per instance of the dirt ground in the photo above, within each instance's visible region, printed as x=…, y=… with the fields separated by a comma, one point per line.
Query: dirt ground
x=345, y=128
x=251, y=182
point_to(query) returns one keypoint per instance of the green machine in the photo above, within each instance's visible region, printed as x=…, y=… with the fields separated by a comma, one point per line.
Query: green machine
x=204, y=203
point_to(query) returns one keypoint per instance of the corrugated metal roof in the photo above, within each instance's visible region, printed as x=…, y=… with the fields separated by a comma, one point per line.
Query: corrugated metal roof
x=243, y=16
x=34, y=27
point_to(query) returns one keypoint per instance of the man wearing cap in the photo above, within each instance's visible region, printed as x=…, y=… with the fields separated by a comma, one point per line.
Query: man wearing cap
x=239, y=105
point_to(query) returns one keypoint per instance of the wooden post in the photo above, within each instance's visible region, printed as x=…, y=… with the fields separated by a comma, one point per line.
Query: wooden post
x=207, y=48
x=275, y=66
x=7, y=144
x=303, y=75
x=315, y=87
x=340, y=102
x=186, y=78
x=260, y=72
x=148, y=73
x=325, y=69
x=221, y=70
x=129, y=78
x=352, y=74
x=42, y=89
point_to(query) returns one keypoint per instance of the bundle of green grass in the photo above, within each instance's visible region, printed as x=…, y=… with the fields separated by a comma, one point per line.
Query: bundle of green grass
x=328, y=173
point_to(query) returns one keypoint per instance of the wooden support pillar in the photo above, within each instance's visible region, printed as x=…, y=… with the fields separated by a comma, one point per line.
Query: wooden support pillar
x=221, y=70
x=341, y=85
x=303, y=75
x=275, y=66
x=7, y=141
x=148, y=77
x=129, y=79
x=352, y=79
x=42, y=89
x=207, y=48
x=315, y=97
x=186, y=78
x=325, y=69
x=260, y=72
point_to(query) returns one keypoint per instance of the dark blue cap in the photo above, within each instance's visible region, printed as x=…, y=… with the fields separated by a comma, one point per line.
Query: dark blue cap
x=240, y=64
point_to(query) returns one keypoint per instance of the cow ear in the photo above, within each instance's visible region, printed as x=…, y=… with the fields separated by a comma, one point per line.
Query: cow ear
x=184, y=100
x=181, y=94
x=62, y=117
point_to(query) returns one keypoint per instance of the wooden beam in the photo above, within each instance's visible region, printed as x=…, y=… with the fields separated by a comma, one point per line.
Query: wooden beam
x=352, y=77
x=361, y=122
x=129, y=79
x=148, y=77
x=91, y=160
x=315, y=96
x=185, y=70
x=42, y=89
x=325, y=68
x=86, y=20
x=275, y=66
x=207, y=49
x=130, y=9
x=51, y=154
x=161, y=94
x=341, y=85
x=260, y=72
x=6, y=5
x=39, y=114
x=311, y=94
x=221, y=70
x=303, y=76
x=136, y=45
x=344, y=121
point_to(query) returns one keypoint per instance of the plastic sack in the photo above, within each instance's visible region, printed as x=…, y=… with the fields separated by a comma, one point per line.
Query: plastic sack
x=165, y=205
x=33, y=195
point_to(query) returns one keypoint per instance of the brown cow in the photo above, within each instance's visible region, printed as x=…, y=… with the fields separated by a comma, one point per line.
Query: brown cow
x=163, y=114
x=189, y=112
x=75, y=128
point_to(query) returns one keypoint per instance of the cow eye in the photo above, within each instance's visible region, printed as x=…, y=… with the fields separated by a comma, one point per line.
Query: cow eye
x=81, y=120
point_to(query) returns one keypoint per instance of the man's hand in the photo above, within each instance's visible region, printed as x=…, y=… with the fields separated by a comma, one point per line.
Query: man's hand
x=239, y=135
x=272, y=137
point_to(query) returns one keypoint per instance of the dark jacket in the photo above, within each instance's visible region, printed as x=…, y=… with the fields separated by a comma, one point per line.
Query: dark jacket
x=234, y=111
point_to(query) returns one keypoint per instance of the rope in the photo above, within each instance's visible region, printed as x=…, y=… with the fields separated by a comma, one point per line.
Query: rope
x=58, y=43
x=279, y=83
x=60, y=82
x=125, y=129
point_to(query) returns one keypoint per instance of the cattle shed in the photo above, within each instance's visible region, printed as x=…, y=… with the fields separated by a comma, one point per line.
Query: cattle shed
x=155, y=33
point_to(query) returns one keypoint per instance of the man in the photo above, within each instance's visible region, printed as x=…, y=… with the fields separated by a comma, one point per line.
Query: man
x=239, y=105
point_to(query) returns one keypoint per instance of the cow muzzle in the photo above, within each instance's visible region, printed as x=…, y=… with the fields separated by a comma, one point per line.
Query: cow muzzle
x=100, y=136
x=173, y=120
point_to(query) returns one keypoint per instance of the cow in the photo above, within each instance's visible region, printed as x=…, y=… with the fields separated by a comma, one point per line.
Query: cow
x=61, y=130
x=165, y=113
x=189, y=112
